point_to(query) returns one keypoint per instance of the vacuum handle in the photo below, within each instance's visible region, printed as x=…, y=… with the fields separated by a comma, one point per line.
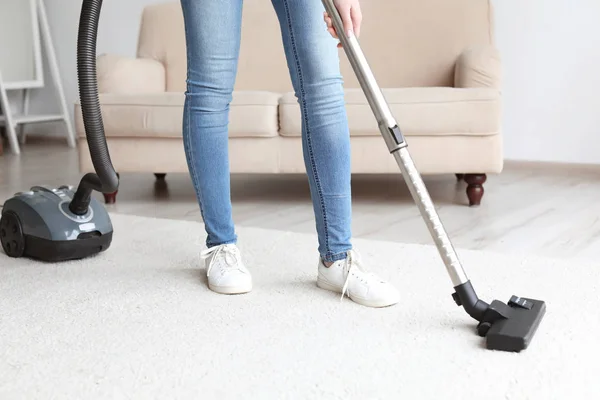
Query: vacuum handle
x=398, y=147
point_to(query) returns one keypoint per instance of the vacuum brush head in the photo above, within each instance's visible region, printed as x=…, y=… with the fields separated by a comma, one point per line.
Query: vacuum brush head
x=511, y=327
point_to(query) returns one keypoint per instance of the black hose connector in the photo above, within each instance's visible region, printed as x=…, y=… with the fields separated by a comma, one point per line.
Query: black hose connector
x=466, y=297
x=105, y=179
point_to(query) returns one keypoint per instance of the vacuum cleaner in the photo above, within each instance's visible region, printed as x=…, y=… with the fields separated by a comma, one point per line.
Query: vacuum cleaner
x=506, y=326
x=62, y=224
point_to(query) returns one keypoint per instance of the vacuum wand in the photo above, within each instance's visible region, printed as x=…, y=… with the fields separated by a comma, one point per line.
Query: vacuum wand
x=398, y=147
x=509, y=326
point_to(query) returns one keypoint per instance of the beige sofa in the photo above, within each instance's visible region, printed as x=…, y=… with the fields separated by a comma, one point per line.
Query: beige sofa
x=434, y=59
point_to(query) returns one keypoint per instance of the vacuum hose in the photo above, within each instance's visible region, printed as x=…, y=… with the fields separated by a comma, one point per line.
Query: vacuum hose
x=105, y=179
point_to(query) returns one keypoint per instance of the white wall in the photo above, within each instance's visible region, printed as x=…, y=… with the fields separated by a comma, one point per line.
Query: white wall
x=551, y=59
x=550, y=50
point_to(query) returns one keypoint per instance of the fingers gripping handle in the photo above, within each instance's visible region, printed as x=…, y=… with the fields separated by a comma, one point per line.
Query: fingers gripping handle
x=397, y=146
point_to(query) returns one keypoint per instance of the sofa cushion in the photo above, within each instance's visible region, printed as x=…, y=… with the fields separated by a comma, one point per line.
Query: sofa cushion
x=252, y=114
x=418, y=111
x=479, y=67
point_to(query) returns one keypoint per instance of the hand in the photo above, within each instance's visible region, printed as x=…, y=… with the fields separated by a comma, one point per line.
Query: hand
x=351, y=15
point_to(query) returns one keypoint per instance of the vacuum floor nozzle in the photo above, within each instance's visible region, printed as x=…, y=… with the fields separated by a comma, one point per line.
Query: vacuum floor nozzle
x=511, y=327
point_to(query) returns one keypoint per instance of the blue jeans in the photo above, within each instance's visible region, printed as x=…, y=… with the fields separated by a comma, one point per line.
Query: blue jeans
x=213, y=30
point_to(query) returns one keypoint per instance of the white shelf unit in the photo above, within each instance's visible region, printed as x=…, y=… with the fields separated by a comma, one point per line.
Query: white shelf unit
x=15, y=122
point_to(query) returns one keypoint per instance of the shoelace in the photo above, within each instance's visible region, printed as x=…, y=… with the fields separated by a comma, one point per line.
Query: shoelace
x=352, y=262
x=230, y=256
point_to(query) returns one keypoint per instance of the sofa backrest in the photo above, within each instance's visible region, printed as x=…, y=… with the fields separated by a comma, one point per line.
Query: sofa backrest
x=406, y=42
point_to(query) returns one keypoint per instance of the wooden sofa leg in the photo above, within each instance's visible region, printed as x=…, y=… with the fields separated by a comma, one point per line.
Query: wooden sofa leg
x=160, y=177
x=111, y=198
x=460, y=177
x=475, y=188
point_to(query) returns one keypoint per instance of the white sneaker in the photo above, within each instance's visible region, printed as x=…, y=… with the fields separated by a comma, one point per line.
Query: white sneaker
x=348, y=277
x=225, y=270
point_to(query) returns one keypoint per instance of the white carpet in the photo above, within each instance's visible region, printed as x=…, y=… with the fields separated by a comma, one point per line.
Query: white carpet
x=138, y=322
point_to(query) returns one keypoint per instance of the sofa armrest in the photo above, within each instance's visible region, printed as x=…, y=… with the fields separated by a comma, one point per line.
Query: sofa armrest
x=128, y=75
x=478, y=67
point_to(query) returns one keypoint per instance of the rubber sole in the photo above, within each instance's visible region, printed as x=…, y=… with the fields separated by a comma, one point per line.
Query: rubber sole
x=364, y=302
x=230, y=289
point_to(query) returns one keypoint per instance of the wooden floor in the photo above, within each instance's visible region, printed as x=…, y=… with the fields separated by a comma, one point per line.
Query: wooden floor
x=550, y=210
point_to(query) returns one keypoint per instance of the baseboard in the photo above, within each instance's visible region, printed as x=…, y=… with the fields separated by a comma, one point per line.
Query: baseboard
x=551, y=165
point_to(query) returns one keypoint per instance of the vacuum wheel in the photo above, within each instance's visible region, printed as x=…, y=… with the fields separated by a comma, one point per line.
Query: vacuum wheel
x=11, y=235
x=483, y=328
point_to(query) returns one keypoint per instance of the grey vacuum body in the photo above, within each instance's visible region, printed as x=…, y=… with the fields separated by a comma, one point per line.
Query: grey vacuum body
x=38, y=224
x=59, y=224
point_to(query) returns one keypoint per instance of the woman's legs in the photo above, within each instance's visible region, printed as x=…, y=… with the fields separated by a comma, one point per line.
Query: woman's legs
x=212, y=31
x=313, y=63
